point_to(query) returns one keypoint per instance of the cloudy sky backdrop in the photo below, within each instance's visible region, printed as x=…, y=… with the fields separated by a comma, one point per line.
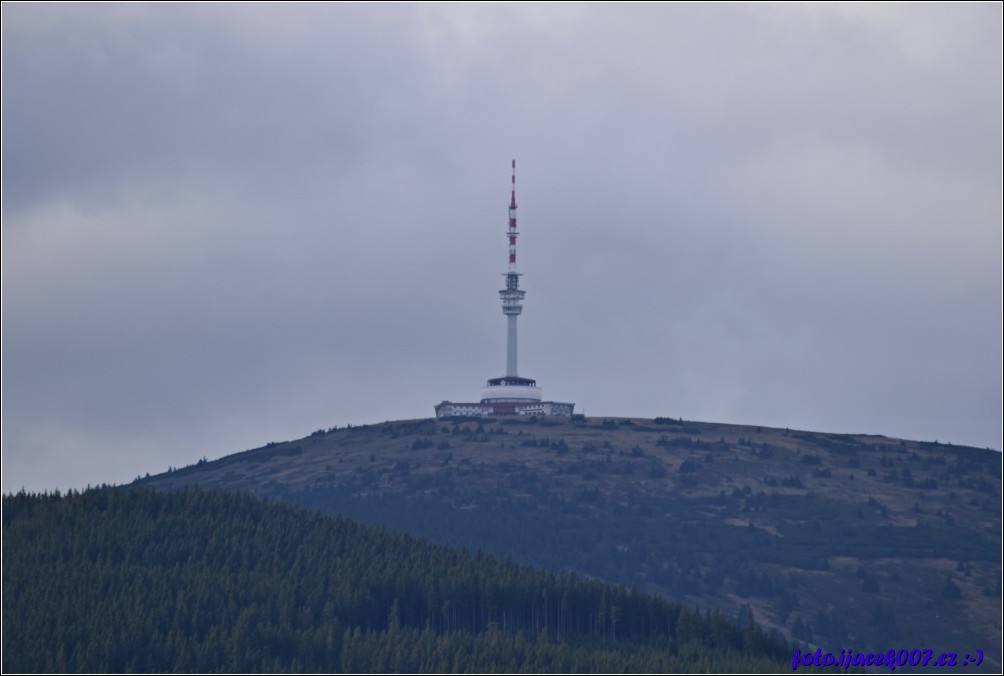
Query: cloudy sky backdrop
x=225, y=225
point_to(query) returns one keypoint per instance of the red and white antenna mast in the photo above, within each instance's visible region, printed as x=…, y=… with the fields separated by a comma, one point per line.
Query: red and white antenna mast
x=512, y=296
x=512, y=222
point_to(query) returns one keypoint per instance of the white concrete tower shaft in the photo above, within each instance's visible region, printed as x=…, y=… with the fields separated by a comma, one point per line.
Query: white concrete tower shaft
x=512, y=296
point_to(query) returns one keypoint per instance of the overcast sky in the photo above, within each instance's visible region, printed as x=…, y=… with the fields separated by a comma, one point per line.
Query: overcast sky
x=225, y=225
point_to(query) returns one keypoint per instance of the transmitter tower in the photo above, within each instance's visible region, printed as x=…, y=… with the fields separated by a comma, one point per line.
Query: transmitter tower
x=512, y=296
x=511, y=394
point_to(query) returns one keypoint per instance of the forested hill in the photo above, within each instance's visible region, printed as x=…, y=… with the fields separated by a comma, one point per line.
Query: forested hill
x=849, y=540
x=115, y=580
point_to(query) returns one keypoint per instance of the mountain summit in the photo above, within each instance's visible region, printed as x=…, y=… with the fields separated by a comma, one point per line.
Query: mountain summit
x=838, y=540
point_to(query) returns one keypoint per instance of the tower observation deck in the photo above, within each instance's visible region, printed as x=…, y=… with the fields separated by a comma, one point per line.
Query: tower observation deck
x=511, y=394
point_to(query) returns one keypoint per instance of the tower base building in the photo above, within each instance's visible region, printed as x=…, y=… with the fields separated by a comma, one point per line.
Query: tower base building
x=507, y=396
x=510, y=394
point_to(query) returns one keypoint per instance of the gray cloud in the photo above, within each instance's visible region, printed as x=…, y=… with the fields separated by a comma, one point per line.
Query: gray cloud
x=229, y=224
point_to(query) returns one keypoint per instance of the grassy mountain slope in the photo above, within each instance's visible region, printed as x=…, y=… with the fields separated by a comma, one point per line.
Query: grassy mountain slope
x=851, y=541
x=115, y=580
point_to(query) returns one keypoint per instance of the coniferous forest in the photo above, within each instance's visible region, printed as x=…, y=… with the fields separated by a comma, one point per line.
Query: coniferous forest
x=116, y=580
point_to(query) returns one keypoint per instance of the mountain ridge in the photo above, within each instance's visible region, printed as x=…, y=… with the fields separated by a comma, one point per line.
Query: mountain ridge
x=854, y=538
